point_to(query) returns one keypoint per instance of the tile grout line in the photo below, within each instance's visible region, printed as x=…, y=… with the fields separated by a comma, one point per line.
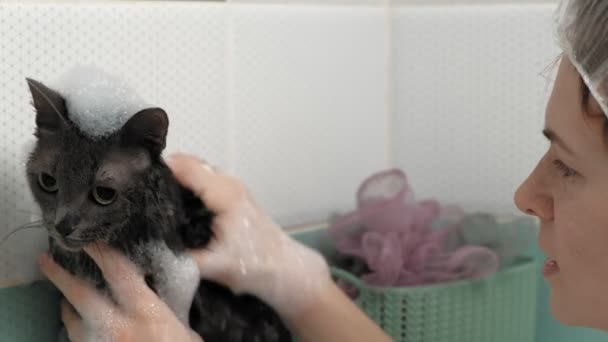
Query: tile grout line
x=389, y=84
x=230, y=91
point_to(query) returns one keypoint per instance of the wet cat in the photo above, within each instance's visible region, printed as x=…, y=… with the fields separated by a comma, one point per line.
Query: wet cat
x=118, y=190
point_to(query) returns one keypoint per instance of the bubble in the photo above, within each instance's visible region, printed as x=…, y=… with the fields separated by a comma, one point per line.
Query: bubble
x=98, y=103
x=178, y=278
x=243, y=267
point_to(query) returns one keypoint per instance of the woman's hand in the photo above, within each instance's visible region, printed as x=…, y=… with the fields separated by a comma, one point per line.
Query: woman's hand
x=250, y=252
x=136, y=314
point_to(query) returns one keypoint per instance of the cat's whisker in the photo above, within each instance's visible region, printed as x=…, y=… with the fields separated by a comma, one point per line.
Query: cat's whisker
x=102, y=256
x=31, y=225
x=164, y=222
x=29, y=212
x=37, y=223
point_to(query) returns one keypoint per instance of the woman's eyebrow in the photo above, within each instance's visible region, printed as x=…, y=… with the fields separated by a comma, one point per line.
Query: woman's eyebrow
x=554, y=138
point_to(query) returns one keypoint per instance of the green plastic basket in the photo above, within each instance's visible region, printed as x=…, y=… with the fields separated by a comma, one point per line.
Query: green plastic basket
x=499, y=308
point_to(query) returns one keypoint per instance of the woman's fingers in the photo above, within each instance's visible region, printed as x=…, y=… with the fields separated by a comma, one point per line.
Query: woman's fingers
x=72, y=321
x=218, y=191
x=214, y=266
x=85, y=299
x=140, y=314
x=126, y=283
x=191, y=172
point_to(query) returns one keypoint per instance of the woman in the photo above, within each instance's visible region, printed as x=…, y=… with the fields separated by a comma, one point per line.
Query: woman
x=568, y=189
x=292, y=278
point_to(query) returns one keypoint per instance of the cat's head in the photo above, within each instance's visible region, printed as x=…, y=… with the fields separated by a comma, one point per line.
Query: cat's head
x=88, y=189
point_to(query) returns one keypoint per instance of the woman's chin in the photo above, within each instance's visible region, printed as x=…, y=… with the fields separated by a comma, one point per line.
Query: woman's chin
x=566, y=314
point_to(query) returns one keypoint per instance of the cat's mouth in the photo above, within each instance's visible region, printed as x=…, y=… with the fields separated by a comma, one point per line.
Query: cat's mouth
x=69, y=244
x=73, y=245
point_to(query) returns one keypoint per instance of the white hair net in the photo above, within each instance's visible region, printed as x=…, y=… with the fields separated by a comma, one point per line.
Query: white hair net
x=582, y=28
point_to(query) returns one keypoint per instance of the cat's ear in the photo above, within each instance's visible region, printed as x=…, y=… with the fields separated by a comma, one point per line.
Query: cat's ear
x=51, y=113
x=148, y=128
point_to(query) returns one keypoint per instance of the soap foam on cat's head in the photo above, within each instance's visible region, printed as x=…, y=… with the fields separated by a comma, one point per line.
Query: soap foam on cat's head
x=98, y=103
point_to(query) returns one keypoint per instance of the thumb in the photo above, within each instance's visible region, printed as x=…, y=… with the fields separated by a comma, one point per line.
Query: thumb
x=191, y=172
x=214, y=266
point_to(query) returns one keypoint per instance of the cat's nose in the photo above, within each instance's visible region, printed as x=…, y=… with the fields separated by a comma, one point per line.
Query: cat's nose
x=66, y=225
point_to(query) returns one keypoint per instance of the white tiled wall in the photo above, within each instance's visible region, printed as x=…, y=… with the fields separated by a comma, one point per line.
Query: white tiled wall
x=309, y=103
x=469, y=96
x=467, y=2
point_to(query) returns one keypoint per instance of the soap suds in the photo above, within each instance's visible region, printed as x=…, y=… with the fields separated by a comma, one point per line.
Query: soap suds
x=98, y=103
x=178, y=278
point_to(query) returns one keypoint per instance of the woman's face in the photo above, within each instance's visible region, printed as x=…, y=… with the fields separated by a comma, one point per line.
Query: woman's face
x=568, y=192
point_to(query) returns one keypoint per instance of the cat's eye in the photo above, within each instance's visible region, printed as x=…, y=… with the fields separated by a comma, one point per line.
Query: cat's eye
x=47, y=182
x=104, y=195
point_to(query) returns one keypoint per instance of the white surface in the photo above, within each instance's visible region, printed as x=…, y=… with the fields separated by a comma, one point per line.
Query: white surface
x=315, y=2
x=181, y=278
x=469, y=99
x=461, y=2
x=309, y=102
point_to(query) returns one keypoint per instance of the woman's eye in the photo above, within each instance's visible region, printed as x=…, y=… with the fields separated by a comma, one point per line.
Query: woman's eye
x=47, y=182
x=564, y=169
x=104, y=195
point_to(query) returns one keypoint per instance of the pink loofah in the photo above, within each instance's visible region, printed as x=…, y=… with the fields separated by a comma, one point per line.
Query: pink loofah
x=394, y=235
